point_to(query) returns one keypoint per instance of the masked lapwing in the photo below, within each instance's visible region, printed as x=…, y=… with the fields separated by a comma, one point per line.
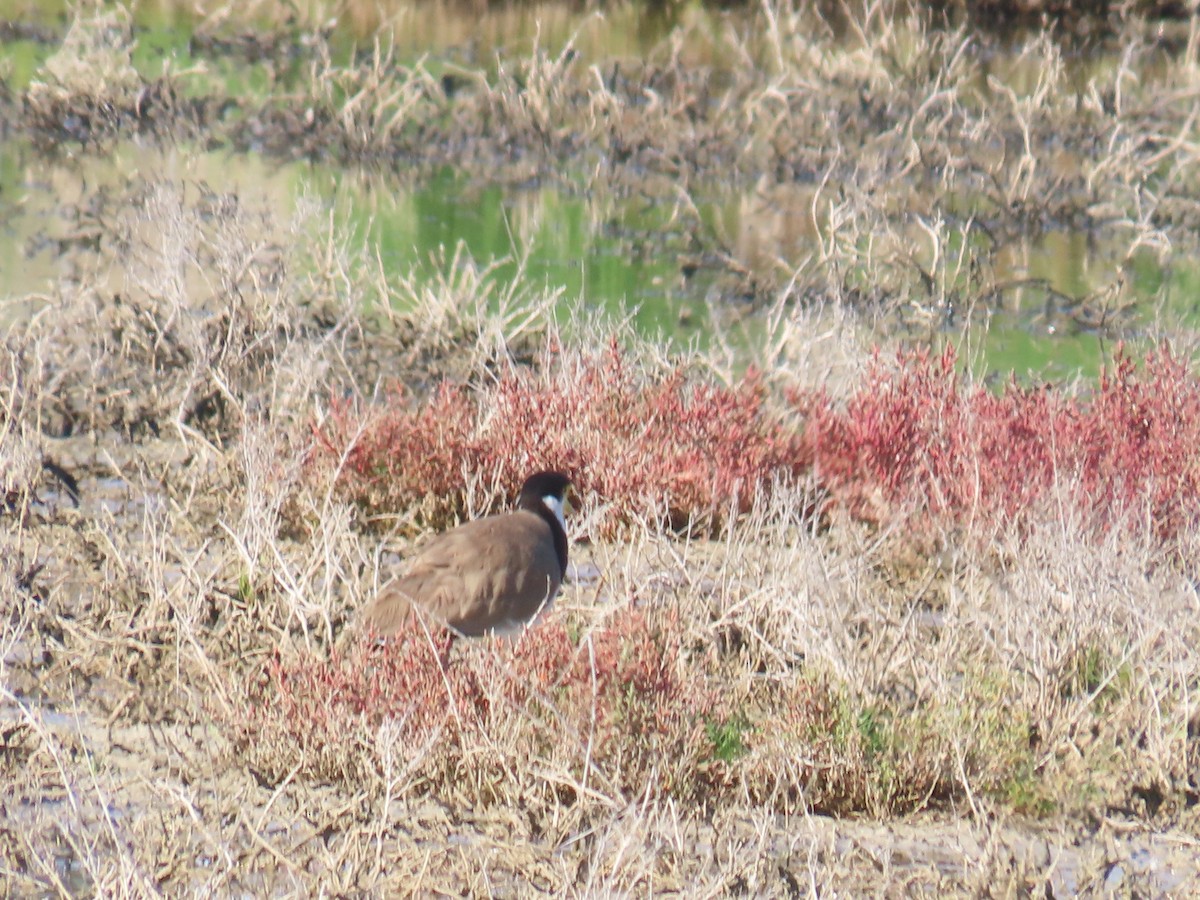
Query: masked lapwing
x=494, y=575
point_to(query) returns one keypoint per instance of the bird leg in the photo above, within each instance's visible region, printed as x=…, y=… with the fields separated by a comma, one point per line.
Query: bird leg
x=444, y=644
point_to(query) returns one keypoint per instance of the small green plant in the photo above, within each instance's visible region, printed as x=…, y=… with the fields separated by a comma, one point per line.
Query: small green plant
x=725, y=735
x=874, y=732
x=1091, y=670
x=245, y=589
x=1026, y=792
x=1087, y=671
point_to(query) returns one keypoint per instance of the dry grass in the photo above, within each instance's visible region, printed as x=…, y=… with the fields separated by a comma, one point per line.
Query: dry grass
x=171, y=695
x=776, y=702
x=880, y=163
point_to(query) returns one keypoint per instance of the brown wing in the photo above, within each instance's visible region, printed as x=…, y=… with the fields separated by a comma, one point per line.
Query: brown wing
x=491, y=574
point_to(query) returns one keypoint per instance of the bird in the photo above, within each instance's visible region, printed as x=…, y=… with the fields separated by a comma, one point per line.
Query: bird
x=494, y=575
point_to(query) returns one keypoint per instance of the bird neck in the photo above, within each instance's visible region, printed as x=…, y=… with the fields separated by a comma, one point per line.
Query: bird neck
x=555, y=506
x=550, y=509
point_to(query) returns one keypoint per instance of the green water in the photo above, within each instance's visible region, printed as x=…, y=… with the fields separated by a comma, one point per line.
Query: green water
x=619, y=257
x=551, y=241
x=548, y=239
x=633, y=257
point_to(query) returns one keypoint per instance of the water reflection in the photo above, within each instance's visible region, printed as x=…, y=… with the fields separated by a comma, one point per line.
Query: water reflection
x=1058, y=302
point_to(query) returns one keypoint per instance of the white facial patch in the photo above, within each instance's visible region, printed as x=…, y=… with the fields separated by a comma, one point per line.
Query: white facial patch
x=555, y=506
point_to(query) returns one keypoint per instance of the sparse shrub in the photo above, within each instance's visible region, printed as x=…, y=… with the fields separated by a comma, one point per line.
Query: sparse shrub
x=624, y=707
x=805, y=751
x=89, y=90
x=396, y=457
x=917, y=438
x=171, y=354
x=638, y=445
x=1138, y=445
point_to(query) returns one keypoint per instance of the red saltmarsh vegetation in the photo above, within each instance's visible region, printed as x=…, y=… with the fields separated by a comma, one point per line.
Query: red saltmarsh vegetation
x=619, y=703
x=915, y=437
x=665, y=446
x=628, y=709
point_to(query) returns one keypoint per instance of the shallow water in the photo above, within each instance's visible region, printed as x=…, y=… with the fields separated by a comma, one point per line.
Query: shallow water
x=614, y=255
x=1047, y=317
